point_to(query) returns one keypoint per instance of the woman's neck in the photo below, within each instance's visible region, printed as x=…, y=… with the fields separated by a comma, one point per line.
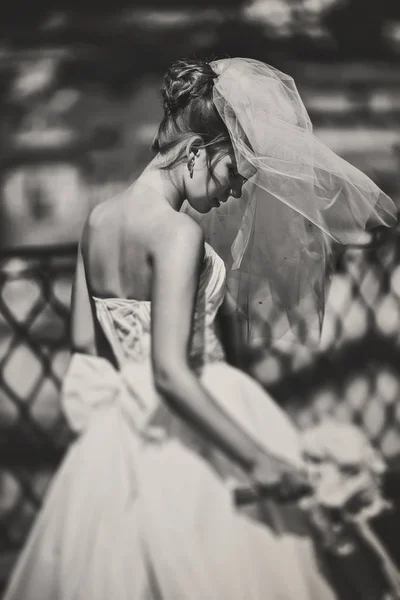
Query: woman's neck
x=168, y=182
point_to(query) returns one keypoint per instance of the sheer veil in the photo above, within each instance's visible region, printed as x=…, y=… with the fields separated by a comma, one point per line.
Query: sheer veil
x=301, y=203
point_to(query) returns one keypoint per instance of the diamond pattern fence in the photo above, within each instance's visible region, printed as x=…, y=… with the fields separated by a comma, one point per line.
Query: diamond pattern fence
x=35, y=287
x=355, y=375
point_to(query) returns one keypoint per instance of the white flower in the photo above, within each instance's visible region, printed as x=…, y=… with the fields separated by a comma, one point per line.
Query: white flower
x=343, y=444
x=346, y=472
x=344, y=468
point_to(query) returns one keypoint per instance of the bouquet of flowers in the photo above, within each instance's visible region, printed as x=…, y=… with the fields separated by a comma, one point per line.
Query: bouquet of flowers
x=346, y=474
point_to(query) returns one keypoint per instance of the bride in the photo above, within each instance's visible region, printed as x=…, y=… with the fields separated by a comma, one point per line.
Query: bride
x=142, y=507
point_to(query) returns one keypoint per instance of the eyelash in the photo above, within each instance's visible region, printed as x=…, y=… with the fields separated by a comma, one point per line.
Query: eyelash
x=234, y=173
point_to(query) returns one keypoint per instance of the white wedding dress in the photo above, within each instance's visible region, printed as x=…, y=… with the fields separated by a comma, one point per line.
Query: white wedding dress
x=141, y=507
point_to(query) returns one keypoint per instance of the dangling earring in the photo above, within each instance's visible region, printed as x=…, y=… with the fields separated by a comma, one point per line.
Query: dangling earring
x=191, y=166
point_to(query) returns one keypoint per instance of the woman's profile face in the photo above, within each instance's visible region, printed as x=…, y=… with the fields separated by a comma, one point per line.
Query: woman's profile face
x=213, y=184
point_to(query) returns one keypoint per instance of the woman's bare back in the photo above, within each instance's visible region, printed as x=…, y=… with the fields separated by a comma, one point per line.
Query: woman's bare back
x=119, y=239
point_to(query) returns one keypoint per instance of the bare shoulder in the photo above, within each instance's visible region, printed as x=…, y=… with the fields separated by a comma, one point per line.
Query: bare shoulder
x=180, y=233
x=94, y=219
x=101, y=212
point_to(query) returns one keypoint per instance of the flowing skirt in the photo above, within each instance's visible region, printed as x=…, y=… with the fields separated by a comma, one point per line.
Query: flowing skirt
x=141, y=511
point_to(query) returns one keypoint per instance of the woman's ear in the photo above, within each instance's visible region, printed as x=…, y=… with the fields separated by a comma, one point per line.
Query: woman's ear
x=194, y=150
x=193, y=146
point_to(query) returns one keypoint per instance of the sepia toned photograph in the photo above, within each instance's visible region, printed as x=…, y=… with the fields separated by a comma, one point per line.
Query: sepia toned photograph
x=200, y=300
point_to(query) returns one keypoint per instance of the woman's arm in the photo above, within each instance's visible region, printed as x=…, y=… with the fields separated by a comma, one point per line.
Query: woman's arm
x=176, y=271
x=82, y=327
x=231, y=329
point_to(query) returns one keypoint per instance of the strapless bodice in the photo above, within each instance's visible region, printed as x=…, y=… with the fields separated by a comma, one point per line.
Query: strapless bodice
x=127, y=323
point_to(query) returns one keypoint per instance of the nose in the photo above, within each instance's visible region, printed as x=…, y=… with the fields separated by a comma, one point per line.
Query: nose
x=236, y=188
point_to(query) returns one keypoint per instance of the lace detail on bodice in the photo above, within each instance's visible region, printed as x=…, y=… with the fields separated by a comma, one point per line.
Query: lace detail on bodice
x=127, y=323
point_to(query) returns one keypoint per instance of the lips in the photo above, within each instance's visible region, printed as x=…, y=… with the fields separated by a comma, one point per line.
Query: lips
x=218, y=201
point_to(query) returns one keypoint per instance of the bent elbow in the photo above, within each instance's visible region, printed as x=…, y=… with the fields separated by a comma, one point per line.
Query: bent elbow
x=164, y=379
x=167, y=377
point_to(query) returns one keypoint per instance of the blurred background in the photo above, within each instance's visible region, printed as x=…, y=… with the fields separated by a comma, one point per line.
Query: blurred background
x=79, y=96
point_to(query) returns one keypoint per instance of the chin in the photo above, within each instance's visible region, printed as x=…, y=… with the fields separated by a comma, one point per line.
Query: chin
x=201, y=207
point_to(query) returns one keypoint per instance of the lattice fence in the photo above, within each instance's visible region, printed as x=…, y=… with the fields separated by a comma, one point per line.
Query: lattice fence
x=354, y=376
x=35, y=290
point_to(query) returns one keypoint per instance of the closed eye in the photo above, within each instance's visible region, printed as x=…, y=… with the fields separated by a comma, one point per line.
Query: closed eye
x=236, y=175
x=233, y=172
